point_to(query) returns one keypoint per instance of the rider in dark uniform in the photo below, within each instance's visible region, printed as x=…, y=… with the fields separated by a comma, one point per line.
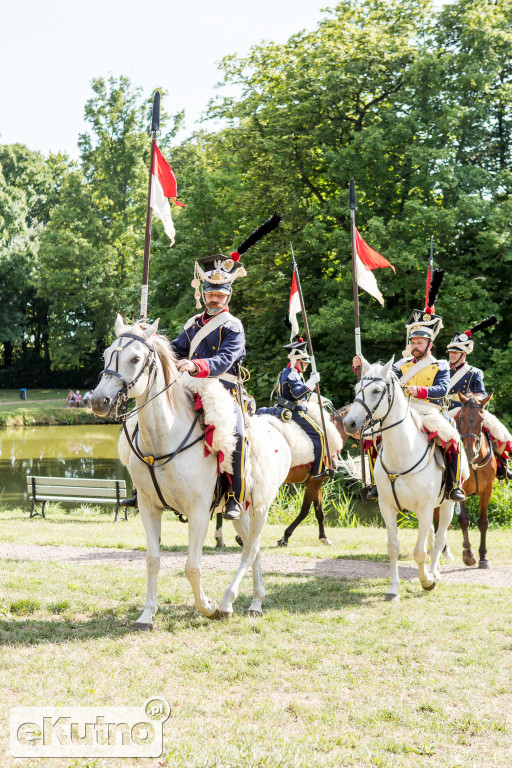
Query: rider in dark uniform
x=218, y=354
x=469, y=380
x=293, y=393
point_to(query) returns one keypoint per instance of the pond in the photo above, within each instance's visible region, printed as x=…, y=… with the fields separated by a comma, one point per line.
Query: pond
x=78, y=451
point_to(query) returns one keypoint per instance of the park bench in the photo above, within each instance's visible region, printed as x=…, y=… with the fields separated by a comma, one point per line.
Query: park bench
x=43, y=489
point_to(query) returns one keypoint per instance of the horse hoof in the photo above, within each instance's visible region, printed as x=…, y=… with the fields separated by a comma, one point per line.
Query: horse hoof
x=391, y=597
x=282, y=543
x=239, y=541
x=431, y=587
x=255, y=614
x=142, y=627
x=484, y=564
x=469, y=560
x=447, y=555
x=220, y=545
x=326, y=541
x=220, y=615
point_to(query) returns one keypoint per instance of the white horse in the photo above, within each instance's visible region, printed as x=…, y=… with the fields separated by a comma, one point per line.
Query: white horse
x=408, y=475
x=140, y=364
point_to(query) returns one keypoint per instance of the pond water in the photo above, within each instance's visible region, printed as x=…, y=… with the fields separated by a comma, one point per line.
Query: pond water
x=86, y=451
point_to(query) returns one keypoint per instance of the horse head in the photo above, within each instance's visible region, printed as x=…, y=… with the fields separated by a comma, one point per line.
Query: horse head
x=471, y=416
x=129, y=363
x=371, y=401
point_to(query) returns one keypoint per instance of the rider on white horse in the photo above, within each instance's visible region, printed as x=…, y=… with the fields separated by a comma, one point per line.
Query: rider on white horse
x=423, y=378
x=468, y=379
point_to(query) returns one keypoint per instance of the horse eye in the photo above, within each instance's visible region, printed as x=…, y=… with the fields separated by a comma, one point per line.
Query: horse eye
x=375, y=391
x=135, y=359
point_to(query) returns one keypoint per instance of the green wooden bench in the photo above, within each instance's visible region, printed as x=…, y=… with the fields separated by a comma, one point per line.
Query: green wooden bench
x=74, y=489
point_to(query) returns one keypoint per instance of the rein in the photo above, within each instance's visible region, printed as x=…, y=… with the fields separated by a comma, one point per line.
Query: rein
x=121, y=400
x=479, y=463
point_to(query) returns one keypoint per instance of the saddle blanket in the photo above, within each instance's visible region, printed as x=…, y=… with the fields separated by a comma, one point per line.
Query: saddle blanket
x=300, y=444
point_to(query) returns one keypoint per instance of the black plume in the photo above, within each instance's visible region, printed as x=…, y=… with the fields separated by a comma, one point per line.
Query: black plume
x=437, y=279
x=286, y=321
x=487, y=323
x=262, y=230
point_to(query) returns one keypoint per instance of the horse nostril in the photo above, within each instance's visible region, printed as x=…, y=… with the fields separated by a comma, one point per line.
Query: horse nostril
x=107, y=400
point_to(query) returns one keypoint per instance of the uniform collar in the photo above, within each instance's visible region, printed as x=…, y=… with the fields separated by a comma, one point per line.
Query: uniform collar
x=206, y=318
x=458, y=367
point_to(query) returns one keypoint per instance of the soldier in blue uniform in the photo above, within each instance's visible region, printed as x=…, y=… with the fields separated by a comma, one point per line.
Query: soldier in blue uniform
x=212, y=344
x=469, y=380
x=293, y=394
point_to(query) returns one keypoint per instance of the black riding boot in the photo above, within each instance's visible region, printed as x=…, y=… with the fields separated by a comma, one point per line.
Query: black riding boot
x=131, y=502
x=503, y=472
x=454, y=491
x=233, y=508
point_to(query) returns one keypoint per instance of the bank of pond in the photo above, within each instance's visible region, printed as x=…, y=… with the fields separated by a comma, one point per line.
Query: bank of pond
x=90, y=451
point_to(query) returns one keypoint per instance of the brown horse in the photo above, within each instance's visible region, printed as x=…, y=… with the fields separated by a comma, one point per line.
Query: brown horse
x=312, y=493
x=483, y=466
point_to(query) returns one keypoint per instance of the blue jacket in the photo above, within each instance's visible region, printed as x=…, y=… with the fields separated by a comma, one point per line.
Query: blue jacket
x=219, y=352
x=471, y=383
x=291, y=385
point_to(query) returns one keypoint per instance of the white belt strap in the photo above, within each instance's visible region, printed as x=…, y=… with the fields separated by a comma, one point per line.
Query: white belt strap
x=416, y=368
x=210, y=326
x=458, y=376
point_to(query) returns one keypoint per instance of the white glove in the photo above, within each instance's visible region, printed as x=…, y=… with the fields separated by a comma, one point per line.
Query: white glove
x=311, y=382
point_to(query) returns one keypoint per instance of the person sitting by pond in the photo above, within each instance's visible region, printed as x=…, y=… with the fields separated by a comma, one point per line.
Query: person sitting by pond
x=71, y=398
x=86, y=400
x=78, y=399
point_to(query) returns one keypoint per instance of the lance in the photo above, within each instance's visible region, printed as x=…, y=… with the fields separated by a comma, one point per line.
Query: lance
x=155, y=124
x=312, y=356
x=430, y=270
x=352, y=207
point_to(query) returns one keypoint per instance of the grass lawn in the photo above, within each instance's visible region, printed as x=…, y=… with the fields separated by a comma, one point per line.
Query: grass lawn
x=331, y=676
x=35, y=395
x=44, y=407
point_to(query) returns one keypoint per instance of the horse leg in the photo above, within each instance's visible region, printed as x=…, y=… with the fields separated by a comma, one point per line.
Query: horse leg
x=389, y=516
x=468, y=557
x=219, y=538
x=319, y=513
x=152, y=521
x=483, y=524
x=427, y=580
x=197, y=530
x=304, y=511
x=251, y=538
x=444, y=517
x=258, y=591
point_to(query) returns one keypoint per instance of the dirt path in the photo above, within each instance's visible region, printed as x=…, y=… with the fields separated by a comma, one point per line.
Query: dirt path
x=499, y=576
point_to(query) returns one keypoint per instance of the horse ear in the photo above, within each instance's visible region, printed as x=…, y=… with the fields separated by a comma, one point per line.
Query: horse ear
x=120, y=327
x=387, y=368
x=148, y=332
x=365, y=365
x=485, y=400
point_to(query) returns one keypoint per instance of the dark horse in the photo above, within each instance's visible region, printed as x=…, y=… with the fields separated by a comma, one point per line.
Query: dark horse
x=312, y=493
x=483, y=466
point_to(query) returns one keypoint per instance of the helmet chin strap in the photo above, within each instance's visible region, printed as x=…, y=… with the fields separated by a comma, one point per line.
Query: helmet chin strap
x=420, y=357
x=455, y=364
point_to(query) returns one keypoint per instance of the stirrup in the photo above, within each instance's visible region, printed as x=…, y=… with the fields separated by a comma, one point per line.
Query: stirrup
x=457, y=494
x=233, y=509
x=324, y=473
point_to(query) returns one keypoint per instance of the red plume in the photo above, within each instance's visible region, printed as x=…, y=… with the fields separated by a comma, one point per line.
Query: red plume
x=468, y=333
x=235, y=256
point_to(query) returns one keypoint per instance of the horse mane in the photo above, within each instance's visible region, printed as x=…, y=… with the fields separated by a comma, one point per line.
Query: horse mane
x=167, y=360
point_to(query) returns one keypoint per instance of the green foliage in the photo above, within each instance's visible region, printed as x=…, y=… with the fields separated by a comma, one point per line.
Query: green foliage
x=415, y=105
x=500, y=508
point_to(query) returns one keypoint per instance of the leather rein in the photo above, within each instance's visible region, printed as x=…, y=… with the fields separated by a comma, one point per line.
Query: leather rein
x=121, y=399
x=479, y=463
x=389, y=385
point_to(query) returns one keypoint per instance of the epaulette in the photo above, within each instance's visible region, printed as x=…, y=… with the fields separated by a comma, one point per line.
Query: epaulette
x=443, y=365
x=191, y=321
x=402, y=361
x=234, y=325
x=474, y=369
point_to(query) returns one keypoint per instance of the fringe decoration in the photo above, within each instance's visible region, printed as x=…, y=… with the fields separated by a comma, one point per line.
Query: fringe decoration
x=264, y=229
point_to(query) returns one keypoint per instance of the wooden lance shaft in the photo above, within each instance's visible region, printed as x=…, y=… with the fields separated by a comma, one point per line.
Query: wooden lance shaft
x=313, y=363
x=352, y=205
x=155, y=125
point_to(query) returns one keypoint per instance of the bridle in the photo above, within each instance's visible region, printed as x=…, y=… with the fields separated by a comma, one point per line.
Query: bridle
x=473, y=408
x=149, y=363
x=122, y=398
x=371, y=422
